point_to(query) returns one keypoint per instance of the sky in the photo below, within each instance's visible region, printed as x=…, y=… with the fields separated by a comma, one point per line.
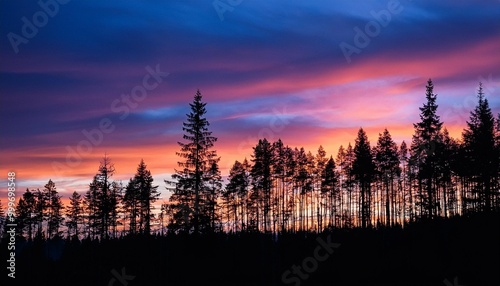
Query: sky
x=81, y=79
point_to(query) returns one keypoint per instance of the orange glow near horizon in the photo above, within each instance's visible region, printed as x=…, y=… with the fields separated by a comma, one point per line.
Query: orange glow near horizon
x=161, y=159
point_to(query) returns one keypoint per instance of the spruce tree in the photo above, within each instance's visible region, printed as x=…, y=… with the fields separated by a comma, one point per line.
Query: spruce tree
x=131, y=205
x=329, y=180
x=348, y=184
x=40, y=212
x=279, y=172
x=25, y=213
x=479, y=143
x=146, y=194
x=91, y=206
x=363, y=170
x=187, y=199
x=261, y=180
x=106, y=203
x=212, y=191
x=447, y=165
x=101, y=201
x=387, y=165
x=54, y=209
x=114, y=201
x=74, y=214
x=236, y=182
x=303, y=183
x=424, y=147
x=237, y=190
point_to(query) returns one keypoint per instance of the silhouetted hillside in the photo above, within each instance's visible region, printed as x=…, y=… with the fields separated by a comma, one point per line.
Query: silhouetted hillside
x=423, y=253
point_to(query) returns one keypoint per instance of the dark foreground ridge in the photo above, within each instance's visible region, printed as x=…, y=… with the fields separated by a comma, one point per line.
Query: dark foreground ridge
x=437, y=252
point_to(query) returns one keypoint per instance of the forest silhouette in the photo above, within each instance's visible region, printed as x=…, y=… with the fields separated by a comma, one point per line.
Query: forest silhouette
x=424, y=212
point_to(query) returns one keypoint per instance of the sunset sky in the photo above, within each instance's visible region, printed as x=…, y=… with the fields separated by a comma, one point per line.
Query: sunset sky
x=271, y=69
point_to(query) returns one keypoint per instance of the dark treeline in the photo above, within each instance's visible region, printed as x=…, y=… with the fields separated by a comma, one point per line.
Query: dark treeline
x=285, y=189
x=424, y=212
x=422, y=253
x=105, y=207
x=282, y=189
